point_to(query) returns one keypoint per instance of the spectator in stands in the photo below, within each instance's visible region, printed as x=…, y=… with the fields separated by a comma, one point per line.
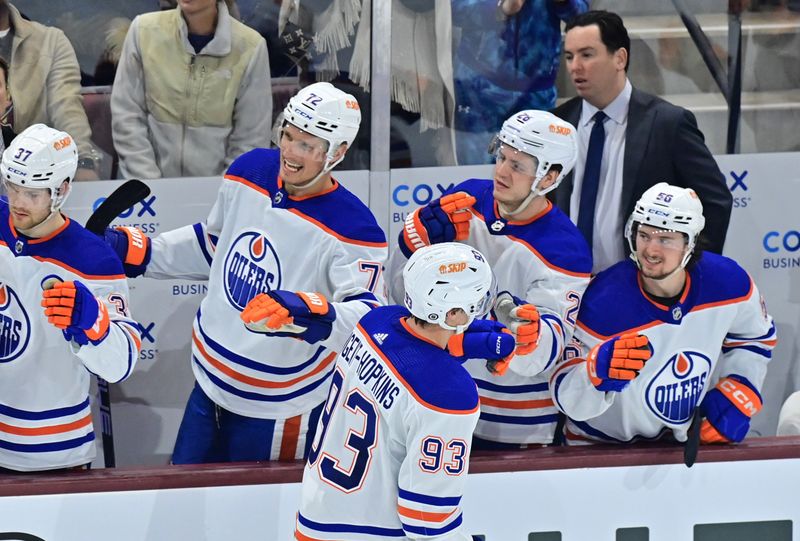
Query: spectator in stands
x=628, y=141
x=45, y=85
x=191, y=93
x=5, y=106
x=506, y=61
x=657, y=337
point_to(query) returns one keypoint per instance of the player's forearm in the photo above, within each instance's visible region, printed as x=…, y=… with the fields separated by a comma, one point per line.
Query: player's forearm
x=113, y=359
x=181, y=253
x=574, y=394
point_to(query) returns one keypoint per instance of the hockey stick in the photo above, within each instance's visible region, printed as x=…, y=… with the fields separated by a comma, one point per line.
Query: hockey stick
x=124, y=197
x=692, y=444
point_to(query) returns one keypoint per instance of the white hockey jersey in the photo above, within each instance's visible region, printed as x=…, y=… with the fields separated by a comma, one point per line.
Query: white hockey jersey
x=258, y=238
x=719, y=327
x=546, y=262
x=45, y=416
x=391, y=452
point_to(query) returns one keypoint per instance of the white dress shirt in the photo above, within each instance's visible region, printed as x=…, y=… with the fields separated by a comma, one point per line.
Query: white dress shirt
x=607, y=240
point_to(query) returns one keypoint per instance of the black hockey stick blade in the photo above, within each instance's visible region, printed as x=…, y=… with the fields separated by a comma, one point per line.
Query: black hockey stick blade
x=121, y=199
x=107, y=429
x=692, y=444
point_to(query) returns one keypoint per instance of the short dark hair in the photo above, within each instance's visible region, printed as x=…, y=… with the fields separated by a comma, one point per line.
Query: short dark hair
x=613, y=33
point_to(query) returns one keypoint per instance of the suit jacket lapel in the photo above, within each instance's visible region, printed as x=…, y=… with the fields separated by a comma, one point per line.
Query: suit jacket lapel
x=637, y=136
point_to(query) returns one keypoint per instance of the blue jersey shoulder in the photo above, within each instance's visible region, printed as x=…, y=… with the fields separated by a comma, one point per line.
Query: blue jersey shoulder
x=435, y=376
x=340, y=211
x=73, y=247
x=259, y=166
x=719, y=279
x=611, y=303
x=557, y=240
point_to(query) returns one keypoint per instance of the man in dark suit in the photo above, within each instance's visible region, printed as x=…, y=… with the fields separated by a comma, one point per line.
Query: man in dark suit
x=628, y=141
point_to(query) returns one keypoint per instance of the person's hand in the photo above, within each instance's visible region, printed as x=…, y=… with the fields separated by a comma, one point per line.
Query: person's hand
x=521, y=318
x=132, y=247
x=511, y=7
x=614, y=363
x=442, y=220
x=307, y=316
x=71, y=307
x=728, y=408
x=484, y=339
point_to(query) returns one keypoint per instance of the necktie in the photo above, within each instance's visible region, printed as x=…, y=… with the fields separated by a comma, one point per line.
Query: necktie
x=591, y=176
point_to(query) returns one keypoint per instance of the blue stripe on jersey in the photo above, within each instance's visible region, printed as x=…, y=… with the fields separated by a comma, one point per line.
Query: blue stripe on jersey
x=556, y=386
x=259, y=166
x=425, y=530
x=131, y=349
x=46, y=414
x=552, y=235
x=47, y=447
x=442, y=501
x=313, y=418
x=550, y=319
x=249, y=395
x=594, y=432
x=349, y=528
x=745, y=338
x=366, y=296
x=508, y=419
x=767, y=353
x=511, y=389
x=220, y=350
x=198, y=232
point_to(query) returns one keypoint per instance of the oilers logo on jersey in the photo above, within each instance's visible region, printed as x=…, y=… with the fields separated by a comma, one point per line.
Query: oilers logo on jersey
x=15, y=326
x=676, y=388
x=251, y=267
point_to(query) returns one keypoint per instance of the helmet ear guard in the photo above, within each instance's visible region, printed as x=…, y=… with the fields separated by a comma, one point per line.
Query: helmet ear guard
x=41, y=157
x=448, y=276
x=668, y=208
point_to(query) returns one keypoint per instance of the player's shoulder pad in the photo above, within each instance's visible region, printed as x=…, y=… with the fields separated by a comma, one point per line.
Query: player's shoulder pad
x=480, y=188
x=343, y=215
x=720, y=279
x=434, y=377
x=95, y=259
x=557, y=241
x=608, y=304
x=258, y=169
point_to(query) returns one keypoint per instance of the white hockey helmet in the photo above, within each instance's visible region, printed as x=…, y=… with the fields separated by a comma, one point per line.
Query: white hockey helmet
x=669, y=208
x=41, y=157
x=549, y=139
x=445, y=276
x=326, y=112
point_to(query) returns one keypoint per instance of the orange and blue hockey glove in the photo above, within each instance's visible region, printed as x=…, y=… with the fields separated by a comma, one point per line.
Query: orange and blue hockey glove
x=728, y=408
x=614, y=363
x=71, y=307
x=132, y=247
x=484, y=339
x=521, y=318
x=442, y=220
x=307, y=316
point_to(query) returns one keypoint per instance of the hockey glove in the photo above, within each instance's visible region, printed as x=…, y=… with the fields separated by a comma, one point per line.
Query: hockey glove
x=442, y=220
x=71, y=307
x=484, y=339
x=307, y=316
x=132, y=247
x=521, y=318
x=728, y=408
x=614, y=363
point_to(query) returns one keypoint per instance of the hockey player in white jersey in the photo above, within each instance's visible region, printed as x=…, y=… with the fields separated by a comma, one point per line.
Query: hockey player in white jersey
x=391, y=454
x=280, y=222
x=63, y=310
x=672, y=330
x=541, y=261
